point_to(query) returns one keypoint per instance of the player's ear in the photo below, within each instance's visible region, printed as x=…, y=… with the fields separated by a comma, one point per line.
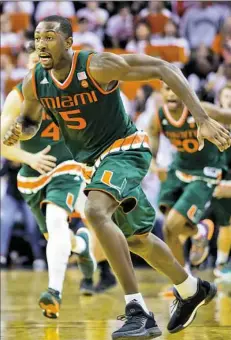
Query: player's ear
x=68, y=43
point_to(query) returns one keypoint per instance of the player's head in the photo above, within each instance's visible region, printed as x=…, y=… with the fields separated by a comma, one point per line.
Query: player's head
x=170, y=98
x=32, y=55
x=225, y=96
x=53, y=39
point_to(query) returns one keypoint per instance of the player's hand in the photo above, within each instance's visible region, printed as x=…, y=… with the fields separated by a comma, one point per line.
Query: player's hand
x=42, y=162
x=13, y=135
x=223, y=190
x=215, y=133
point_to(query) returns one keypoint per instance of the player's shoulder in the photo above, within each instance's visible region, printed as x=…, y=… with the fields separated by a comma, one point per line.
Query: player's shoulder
x=29, y=85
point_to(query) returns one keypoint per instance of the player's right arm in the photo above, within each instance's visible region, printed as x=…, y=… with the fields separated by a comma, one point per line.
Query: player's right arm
x=31, y=110
x=221, y=115
x=11, y=110
x=154, y=132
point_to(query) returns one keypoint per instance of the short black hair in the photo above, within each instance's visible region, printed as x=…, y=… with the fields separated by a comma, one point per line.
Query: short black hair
x=65, y=24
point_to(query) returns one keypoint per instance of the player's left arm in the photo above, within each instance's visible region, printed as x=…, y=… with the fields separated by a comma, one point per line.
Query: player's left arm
x=106, y=67
x=221, y=115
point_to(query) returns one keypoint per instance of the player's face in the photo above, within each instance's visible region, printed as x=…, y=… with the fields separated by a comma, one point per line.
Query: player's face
x=225, y=98
x=33, y=60
x=50, y=44
x=170, y=98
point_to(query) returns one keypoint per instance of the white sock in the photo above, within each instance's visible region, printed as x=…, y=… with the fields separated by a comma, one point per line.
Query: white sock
x=188, y=287
x=139, y=298
x=58, y=246
x=80, y=246
x=202, y=231
x=221, y=257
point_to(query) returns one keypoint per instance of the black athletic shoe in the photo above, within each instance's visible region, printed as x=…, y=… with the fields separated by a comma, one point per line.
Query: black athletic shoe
x=184, y=311
x=106, y=282
x=138, y=325
x=87, y=287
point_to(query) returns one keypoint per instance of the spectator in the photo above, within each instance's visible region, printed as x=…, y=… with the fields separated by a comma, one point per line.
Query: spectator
x=126, y=103
x=179, y=7
x=142, y=38
x=18, y=6
x=6, y=68
x=86, y=37
x=170, y=37
x=96, y=16
x=222, y=42
x=13, y=206
x=156, y=15
x=201, y=23
x=202, y=62
x=142, y=108
x=120, y=27
x=8, y=38
x=21, y=69
x=216, y=81
x=46, y=8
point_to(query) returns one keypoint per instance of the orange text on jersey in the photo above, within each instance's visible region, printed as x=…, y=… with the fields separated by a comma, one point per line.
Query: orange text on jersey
x=77, y=99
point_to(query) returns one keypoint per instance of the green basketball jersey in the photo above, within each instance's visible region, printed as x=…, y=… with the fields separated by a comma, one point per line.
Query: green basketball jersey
x=228, y=157
x=90, y=118
x=48, y=134
x=183, y=135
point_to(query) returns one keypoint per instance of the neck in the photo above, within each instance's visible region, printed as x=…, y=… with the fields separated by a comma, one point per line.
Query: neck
x=62, y=70
x=177, y=113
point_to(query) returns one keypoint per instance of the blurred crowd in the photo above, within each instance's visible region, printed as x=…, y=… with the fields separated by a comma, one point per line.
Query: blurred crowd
x=194, y=35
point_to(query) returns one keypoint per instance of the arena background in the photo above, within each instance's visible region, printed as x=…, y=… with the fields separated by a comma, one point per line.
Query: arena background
x=194, y=35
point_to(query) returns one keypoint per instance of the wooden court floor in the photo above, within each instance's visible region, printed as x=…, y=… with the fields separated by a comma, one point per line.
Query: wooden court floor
x=94, y=318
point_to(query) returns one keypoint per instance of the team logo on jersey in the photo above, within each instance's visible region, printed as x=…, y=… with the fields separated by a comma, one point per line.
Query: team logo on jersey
x=81, y=75
x=84, y=84
x=44, y=81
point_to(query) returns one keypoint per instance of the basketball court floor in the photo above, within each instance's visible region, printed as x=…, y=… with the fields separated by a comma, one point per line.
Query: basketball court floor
x=94, y=318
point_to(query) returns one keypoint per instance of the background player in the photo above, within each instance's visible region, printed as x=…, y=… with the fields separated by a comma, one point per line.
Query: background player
x=54, y=193
x=221, y=207
x=99, y=74
x=191, y=179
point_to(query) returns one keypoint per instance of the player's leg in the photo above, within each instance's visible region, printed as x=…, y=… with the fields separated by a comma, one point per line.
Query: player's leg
x=99, y=210
x=33, y=236
x=190, y=292
x=222, y=211
x=107, y=279
x=193, y=205
x=174, y=223
x=61, y=194
x=174, y=226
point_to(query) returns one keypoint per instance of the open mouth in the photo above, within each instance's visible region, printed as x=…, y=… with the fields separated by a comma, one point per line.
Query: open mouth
x=172, y=101
x=44, y=57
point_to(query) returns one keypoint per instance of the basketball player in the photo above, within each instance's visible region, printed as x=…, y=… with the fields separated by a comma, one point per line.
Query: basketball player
x=55, y=192
x=221, y=206
x=81, y=92
x=187, y=192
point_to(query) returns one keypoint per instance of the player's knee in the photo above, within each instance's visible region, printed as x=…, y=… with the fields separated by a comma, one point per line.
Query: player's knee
x=56, y=220
x=137, y=243
x=97, y=210
x=94, y=212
